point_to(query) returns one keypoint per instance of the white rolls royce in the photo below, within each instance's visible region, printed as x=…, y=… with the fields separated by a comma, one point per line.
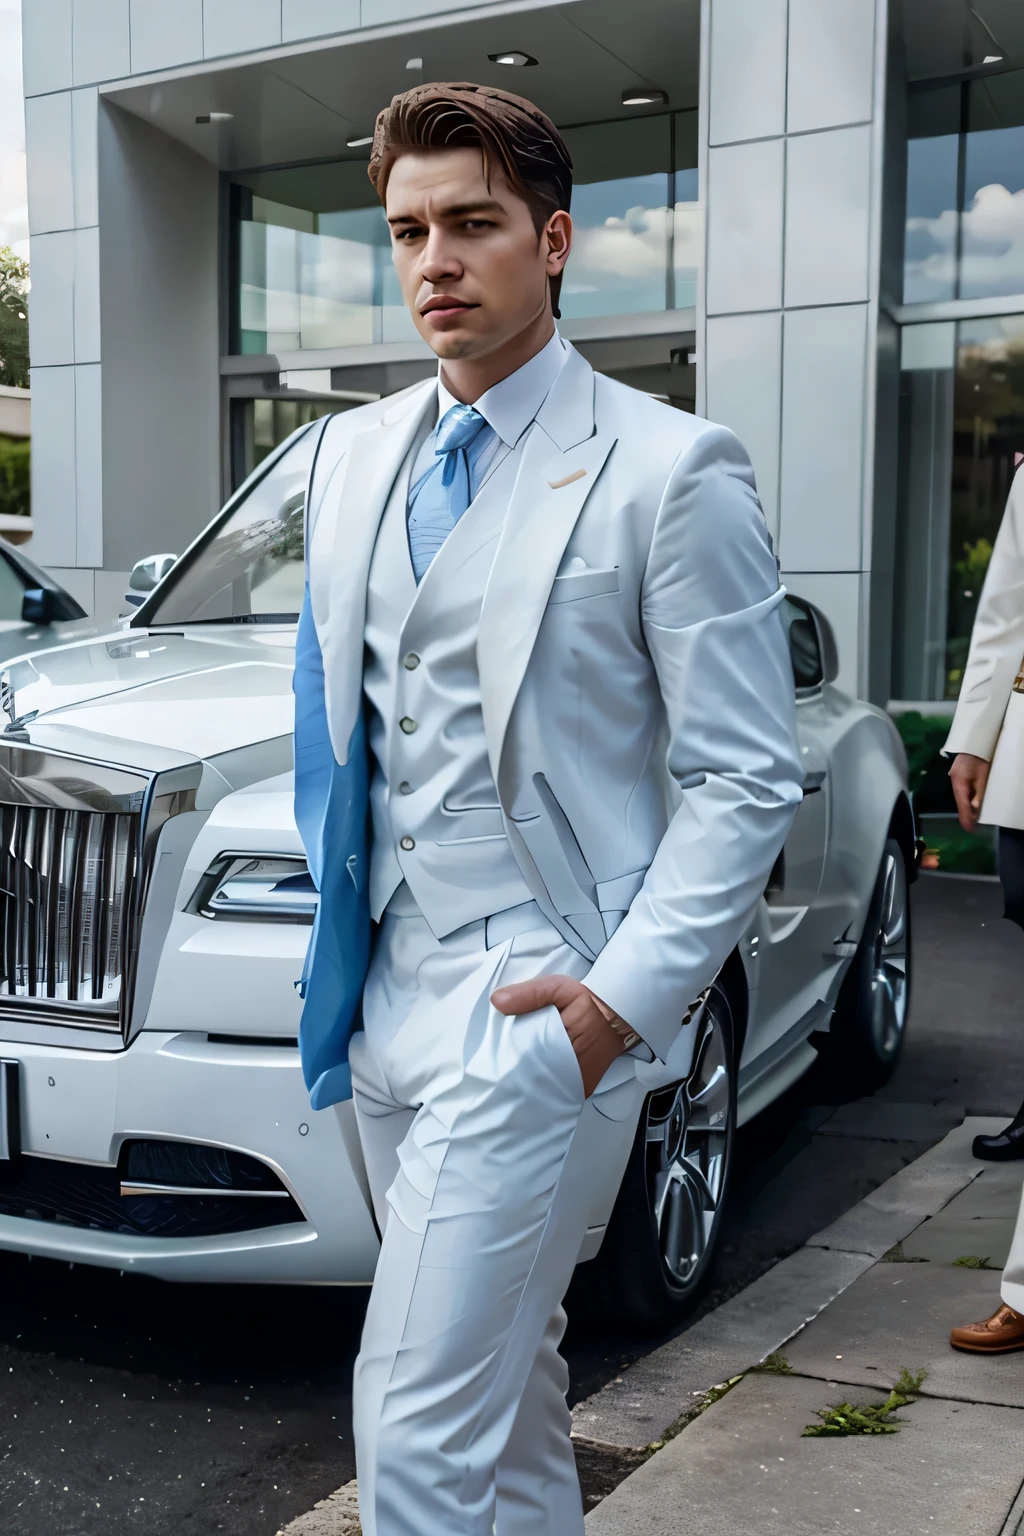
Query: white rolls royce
x=157, y=907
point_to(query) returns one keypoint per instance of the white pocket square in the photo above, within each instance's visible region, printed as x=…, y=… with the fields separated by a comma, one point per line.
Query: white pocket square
x=585, y=583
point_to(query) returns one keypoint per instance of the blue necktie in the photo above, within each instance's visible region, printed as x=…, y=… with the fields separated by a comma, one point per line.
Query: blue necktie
x=439, y=498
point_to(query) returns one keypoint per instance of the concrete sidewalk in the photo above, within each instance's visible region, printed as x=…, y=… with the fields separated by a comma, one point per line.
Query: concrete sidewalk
x=740, y=1461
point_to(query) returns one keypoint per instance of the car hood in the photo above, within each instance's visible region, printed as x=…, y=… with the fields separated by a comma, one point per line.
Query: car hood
x=16, y=637
x=201, y=692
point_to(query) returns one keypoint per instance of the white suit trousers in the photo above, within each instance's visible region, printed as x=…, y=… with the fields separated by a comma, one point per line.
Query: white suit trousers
x=474, y=1130
x=1013, y=1274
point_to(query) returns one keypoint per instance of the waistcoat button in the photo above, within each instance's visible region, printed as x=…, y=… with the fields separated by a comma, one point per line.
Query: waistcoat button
x=405, y=788
x=412, y=661
x=408, y=726
x=408, y=843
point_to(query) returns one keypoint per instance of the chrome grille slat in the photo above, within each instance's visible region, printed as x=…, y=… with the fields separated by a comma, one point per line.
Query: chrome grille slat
x=55, y=853
x=68, y=879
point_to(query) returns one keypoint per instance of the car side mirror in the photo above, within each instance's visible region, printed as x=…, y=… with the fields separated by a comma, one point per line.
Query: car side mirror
x=812, y=645
x=38, y=605
x=147, y=574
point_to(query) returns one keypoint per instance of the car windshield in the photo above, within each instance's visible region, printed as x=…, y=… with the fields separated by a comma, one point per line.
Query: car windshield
x=249, y=567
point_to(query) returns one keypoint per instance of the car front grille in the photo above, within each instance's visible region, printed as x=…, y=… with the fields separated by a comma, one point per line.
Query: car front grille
x=78, y=844
x=67, y=879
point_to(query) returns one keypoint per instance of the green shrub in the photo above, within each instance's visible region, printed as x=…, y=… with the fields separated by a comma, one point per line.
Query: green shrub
x=923, y=738
x=15, y=454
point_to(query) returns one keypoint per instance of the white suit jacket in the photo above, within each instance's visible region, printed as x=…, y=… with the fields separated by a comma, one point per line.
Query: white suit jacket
x=630, y=643
x=995, y=657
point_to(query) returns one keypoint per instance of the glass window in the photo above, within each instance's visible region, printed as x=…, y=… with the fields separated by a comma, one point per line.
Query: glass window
x=260, y=426
x=932, y=223
x=635, y=217
x=249, y=565
x=962, y=438
x=965, y=191
x=313, y=253
x=314, y=261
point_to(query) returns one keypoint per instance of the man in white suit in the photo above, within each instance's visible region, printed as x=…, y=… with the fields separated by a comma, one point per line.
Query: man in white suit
x=549, y=607
x=987, y=740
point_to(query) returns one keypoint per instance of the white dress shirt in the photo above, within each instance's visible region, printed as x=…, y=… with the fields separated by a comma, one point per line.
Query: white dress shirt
x=508, y=407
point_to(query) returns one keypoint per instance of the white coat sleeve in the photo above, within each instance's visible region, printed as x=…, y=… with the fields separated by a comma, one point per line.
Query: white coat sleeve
x=711, y=613
x=997, y=640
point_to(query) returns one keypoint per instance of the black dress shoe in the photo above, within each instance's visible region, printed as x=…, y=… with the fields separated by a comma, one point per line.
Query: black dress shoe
x=1004, y=1147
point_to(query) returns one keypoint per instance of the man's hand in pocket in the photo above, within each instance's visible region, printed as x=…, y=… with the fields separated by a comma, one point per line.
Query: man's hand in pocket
x=597, y=1035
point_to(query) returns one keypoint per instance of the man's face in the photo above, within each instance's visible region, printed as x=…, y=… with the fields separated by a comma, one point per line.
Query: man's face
x=473, y=271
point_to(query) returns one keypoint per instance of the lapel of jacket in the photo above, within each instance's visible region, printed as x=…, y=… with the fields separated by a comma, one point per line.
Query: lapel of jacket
x=372, y=462
x=562, y=458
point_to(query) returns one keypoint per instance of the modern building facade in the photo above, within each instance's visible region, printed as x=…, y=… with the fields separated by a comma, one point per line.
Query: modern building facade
x=803, y=218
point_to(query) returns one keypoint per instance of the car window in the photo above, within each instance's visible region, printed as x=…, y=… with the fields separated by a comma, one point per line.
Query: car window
x=12, y=591
x=251, y=565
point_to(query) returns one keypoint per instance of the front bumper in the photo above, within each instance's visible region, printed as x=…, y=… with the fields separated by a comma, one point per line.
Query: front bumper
x=80, y=1106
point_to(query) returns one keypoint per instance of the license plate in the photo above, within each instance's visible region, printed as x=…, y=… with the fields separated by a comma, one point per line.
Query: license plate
x=10, y=1111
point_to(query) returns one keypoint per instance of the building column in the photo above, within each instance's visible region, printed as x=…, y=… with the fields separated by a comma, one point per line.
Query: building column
x=792, y=108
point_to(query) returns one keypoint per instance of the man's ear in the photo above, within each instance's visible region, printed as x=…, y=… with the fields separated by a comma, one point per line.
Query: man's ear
x=558, y=233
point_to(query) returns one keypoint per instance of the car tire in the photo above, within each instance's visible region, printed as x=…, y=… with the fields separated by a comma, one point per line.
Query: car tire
x=667, y=1219
x=869, y=1026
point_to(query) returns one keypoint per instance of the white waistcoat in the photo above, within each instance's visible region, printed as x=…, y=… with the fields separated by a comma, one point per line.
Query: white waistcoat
x=432, y=785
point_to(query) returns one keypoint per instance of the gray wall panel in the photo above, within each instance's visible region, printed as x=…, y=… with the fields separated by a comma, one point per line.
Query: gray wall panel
x=51, y=203
x=316, y=18
x=831, y=63
x=83, y=157
x=51, y=304
x=823, y=381
x=165, y=34
x=46, y=45
x=748, y=70
x=745, y=227
x=377, y=13
x=744, y=393
x=87, y=295
x=232, y=26
x=54, y=531
x=88, y=466
x=828, y=217
x=101, y=37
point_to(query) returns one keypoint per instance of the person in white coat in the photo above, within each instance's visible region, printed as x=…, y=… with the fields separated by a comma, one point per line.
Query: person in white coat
x=545, y=609
x=987, y=775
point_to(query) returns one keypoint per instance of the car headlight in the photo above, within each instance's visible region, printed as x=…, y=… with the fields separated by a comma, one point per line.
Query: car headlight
x=257, y=887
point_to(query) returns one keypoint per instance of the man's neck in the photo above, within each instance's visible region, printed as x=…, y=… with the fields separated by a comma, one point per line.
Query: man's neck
x=469, y=378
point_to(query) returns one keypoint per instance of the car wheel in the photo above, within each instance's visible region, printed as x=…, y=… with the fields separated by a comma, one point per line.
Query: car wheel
x=666, y=1222
x=869, y=1025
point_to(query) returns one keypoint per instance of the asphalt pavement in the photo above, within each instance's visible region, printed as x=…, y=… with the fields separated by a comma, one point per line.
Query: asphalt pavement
x=128, y=1405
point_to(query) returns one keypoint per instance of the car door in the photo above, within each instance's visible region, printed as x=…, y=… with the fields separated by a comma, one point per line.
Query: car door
x=786, y=946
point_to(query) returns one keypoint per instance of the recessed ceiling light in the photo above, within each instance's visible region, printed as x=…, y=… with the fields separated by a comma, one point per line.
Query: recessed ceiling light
x=512, y=56
x=215, y=117
x=359, y=143
x=992, y=58
x=644, y=96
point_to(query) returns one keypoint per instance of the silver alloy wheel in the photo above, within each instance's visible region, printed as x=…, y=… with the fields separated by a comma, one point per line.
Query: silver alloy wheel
x=889, y=991
x=687, y=1148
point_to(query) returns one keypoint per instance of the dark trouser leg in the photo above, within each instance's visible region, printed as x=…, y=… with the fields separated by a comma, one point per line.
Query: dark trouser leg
x=1008, y=1144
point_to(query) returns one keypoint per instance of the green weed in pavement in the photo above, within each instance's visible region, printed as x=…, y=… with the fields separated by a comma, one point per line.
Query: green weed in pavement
x=895, y=1255
x=774, y=1364
x=873, y=1418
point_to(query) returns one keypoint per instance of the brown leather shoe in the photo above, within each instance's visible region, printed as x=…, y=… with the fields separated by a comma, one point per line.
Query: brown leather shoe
x=997, y=1335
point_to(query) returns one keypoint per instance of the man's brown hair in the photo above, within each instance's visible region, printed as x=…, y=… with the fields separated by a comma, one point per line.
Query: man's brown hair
x=510, y=131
